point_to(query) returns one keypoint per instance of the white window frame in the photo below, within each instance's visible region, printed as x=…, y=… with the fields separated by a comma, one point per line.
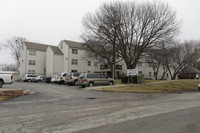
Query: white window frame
x=74, y=61
x=32, y=62
x=74, y=71
x=89, y=63
x=74, y=51
x=31, y=71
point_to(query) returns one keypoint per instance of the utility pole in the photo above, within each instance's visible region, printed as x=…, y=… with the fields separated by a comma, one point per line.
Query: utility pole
x=113, y=70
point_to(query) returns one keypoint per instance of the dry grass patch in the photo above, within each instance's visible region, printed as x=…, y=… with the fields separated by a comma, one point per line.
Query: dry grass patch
x=3, y=98
x=9, y=94
x=170, y=86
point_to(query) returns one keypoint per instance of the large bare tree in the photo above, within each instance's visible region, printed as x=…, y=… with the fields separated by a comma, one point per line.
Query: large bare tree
x=14, y=44
x=129, y=29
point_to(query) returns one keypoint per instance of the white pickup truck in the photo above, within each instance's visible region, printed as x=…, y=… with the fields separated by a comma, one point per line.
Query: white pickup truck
x=6, y=79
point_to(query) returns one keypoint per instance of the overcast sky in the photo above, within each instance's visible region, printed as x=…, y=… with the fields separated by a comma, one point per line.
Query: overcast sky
x=50, y=21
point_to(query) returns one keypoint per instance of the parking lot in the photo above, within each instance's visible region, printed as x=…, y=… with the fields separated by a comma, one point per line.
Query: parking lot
x=60, y=108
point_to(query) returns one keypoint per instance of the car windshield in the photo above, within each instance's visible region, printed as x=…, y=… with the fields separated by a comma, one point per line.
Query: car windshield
x=76, y=74
x=82, y=75
x=68, y=75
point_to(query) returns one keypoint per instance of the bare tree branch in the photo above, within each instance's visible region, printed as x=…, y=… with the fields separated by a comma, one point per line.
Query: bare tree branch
x=129, y=29
x=14, y=44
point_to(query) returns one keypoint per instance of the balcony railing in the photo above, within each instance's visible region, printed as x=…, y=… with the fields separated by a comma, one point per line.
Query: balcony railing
x=117, y=67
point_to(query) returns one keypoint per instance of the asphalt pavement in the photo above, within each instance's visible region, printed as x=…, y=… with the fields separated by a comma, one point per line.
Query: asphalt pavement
x=182, y=121
x=64, y=109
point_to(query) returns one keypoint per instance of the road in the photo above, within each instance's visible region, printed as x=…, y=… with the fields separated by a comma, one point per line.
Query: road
x=182, y=121
x=65, y=109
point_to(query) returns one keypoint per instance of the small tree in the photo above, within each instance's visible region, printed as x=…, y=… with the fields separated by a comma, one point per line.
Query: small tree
x=180, y=55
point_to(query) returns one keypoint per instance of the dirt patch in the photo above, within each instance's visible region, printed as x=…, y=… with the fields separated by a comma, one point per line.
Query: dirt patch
x=9, y=94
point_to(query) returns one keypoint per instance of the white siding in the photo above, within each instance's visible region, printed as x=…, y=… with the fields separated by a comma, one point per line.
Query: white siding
x=64, y=48
x=49, y=62
x=40, y=59
x=82, y=62
x=58, y=64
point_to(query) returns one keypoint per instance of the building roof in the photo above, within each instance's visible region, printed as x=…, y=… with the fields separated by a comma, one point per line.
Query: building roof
x=75, y=44
x=190, y=70
x=36, y=46
x=56, y=50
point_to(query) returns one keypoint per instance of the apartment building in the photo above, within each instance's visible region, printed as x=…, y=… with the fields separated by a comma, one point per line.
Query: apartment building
x=75, y=58
x=43, y=59
x=32, y=58
x=70, y=56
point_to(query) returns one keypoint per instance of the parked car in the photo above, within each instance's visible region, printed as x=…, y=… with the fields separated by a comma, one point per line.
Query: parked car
x=91, y=79
x=72, y=78
x=47, y=79
x=61, y=78
x=6, y=79
x=38, y=78
x=53, y=79
x=29, y=77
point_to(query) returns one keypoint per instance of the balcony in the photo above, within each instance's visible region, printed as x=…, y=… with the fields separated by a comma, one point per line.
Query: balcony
x=117, y=67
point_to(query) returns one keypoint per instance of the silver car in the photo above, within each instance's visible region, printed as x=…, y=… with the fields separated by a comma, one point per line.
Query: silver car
x=91, y=79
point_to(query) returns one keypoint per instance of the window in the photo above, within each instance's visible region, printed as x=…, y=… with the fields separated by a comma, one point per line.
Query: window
x=90, y=76
x=97, y=72
x=150, y=74
x=89, y=63
x=32, y=62
x=140, y=72
x=76, y=74
x=74, y=51
x=31, y=71
x=89, y=71
x=95, y=63
x=32, y=52
x=74, y=62
x=103, y=76
x=74, y=71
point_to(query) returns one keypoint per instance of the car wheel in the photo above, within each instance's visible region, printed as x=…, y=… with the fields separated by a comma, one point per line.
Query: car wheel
x=75, y=83
x=1, y=84
x=91, y=84
x=111, y=83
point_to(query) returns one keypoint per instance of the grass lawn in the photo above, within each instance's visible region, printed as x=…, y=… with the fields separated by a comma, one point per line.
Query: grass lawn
x=152, y=81
x=161, y=86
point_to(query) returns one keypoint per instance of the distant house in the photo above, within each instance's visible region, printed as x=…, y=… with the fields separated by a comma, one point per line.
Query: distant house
x=189, y=72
